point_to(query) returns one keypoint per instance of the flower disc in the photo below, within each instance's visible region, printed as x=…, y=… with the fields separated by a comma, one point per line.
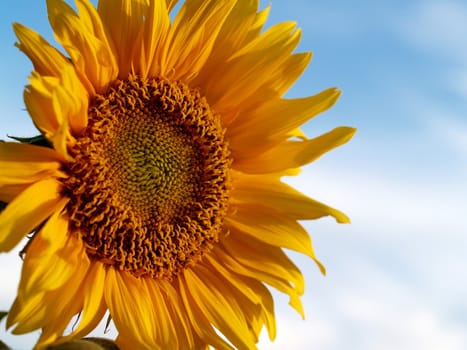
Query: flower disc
x=149, y=180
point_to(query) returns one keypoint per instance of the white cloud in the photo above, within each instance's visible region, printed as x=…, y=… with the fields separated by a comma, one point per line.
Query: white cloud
x=397, y=275
x=442, y=124
x=294, y=333
x=379, y=205
x=364, y=306
x=387, y=326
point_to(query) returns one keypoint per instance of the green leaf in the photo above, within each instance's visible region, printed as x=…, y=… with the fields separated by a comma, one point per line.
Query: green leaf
x=107, y=323
x=38, y=140
x=2, y=313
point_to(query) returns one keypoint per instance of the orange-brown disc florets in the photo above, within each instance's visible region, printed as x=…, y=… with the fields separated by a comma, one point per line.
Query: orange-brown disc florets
x=149, y=180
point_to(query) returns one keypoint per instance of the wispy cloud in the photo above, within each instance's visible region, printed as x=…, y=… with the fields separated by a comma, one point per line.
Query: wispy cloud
x=453, y=132
x=368, y=308
x=394, y=207
x=437, y=25
x=396, y=274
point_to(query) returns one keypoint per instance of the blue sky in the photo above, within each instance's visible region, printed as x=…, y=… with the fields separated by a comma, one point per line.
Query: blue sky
x=397, y=276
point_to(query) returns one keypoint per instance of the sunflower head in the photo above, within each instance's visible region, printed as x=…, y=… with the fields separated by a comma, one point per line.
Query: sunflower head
x=155, y=193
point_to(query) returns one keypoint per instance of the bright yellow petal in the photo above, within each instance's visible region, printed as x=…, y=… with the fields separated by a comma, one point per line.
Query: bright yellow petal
x=200, y=323
x=163, y=325
x=240, y=297
x=27, y=211
x=241, y=26
x=271, y=227
x=94, y=306
x=58, y=106
x=220, y=309
x=275, y=39
x=46, y=59
x=293, y=154
x=84, y=39
x=252, y=289
x=38, y=101
x=30, y=313
x=256, y=131
x=42, y=253
x=128, y=301
x=180, y=319
x=270, y=259
x=71, y=100
x=153, y=38
x=263, y=262
x=234, y=31
x=192, y=37
x=288, y=72
x=24, y=163
x=268, y=191
x=252, y=66
x=63, y=307
x=52, y=309
x=123, y=21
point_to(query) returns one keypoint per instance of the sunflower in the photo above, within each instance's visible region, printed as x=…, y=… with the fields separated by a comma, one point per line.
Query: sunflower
x=158, y=196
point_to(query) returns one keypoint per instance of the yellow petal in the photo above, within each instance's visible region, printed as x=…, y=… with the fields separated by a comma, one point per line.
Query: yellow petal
x=123, y=20
x=252, y=66
x=179, y=316
x=266, y=225
x=9, y=192
x=234, y=31
x=268, y=191
x=43, y=252
x=171, y=4
x=58, y=106
x=71, y=100
x=288, y=72
x=128, y=301
x=46, y=59
x=30, y=314
x=219, y=308
x=94, y=306
x=153, y=38
x=85, y=41
x=253, y=290
x=256, y=131
x=251, y=310
x=38, y=101
x=192, y=37
x=163, y=327
x=265, y=263
x=293, y=154
x=60, y=137
x=62, y=307
x=270, y=259
x=200, y=323
x=273, y=39
x=53, y=309
x=22, y=215
x=241, y=26
x=24, y=163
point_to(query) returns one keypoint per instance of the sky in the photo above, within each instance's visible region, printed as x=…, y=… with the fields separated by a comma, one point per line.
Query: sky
x=397, y=275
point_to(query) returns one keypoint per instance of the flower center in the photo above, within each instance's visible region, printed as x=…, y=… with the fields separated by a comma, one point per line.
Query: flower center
x=149, y=180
